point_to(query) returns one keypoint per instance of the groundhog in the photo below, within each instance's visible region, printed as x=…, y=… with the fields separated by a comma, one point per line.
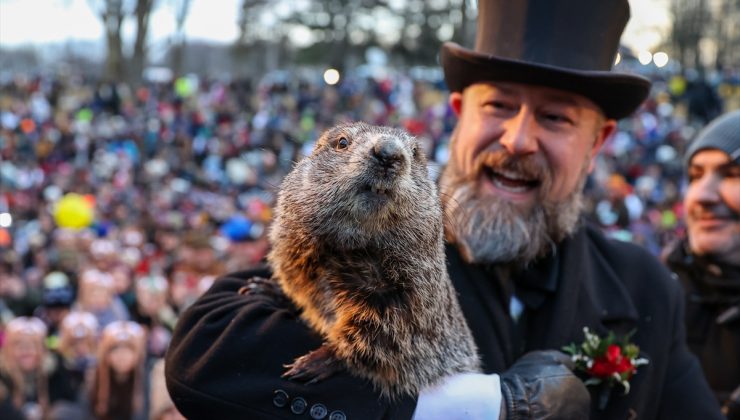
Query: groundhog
x=357, y=246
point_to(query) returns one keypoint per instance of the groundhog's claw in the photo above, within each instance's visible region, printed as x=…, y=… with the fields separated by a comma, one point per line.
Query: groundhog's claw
x=260, y=286
x=314, y=366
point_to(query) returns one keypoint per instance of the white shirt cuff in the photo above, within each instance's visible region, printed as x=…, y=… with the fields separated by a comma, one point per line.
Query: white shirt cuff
x=464, y=396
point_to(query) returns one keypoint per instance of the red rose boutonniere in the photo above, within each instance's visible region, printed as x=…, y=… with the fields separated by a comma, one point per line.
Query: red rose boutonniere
x=608, y=361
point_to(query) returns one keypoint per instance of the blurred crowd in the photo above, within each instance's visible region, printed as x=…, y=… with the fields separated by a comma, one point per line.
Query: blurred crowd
x=120, y=206
x=636, y=190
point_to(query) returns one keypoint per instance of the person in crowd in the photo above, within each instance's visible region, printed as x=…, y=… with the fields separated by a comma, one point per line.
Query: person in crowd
x=104, y=253
x=14, y=291
x=618, y=215
x=704, y=104
x=57, y=299
x=161, y=406
x=707, y=261
x=78, y=337
x=535, y=100
x=96, y=295
x=154, y=313
x=31, y=382
x=196, y=260
x=118, y=390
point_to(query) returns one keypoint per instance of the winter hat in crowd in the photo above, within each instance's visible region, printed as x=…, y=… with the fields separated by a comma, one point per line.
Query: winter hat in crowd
x=722, y=134
x=57, y=290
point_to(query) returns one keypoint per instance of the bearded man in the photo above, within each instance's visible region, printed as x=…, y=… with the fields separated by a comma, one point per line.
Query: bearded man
x=536, y=100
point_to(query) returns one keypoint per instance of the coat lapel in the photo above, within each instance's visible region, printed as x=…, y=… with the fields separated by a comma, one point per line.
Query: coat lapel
x=485, y=305
x=589, y=294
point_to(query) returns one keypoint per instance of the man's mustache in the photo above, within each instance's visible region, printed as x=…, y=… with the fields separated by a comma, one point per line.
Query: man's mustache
x=716, y=211
x=527, y=167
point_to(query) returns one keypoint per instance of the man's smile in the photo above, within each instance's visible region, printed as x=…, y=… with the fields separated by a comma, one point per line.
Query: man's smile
x=713, y=217
x=509, y=185
x=510, y=180
x=503, y=176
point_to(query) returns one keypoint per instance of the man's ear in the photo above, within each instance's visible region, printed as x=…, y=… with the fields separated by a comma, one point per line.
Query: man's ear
x=455, y=102
x=608, y=128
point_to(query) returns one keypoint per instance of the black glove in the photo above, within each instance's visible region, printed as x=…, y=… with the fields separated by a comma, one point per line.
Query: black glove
x=541, y=385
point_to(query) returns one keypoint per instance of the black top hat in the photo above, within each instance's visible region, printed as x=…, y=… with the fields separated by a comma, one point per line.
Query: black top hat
x=564, y=44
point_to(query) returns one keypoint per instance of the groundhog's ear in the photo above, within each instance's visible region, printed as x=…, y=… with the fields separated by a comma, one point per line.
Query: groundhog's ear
x=415, y=146
x=325, y=138
x=320, y=144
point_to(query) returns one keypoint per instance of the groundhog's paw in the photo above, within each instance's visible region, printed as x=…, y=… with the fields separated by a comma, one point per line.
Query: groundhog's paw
x=314, y=366
x=260, y=286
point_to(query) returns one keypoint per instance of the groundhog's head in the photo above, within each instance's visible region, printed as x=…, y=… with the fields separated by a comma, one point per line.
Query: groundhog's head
x=360, y=182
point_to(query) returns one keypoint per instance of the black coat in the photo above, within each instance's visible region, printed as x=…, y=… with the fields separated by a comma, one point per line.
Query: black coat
x=228, y=350
x=712, y=295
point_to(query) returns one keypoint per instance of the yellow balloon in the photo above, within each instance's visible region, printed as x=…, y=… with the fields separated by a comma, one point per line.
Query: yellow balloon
x=73, y=211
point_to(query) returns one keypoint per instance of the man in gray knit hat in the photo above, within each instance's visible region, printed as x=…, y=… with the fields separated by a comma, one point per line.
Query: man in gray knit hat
x=708, y=260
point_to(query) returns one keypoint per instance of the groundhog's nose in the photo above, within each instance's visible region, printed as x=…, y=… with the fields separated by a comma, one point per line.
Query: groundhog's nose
x=388, y=153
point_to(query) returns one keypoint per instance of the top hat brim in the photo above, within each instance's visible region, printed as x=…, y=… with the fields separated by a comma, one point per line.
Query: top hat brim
x=617, y=94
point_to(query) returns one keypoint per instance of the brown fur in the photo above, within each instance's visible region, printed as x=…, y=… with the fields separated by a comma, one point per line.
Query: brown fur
x=370, y=276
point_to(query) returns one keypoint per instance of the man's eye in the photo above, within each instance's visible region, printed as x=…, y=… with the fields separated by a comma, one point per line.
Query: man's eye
x=343, y=143
x=498, y=105
x=693, y=176
x=557, y=118
x=733, y=172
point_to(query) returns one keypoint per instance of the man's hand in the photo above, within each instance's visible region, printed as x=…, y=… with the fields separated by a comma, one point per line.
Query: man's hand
x=541, y=385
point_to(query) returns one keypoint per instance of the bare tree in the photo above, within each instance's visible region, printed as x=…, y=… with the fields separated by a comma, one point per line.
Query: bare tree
x=427, y=24
x=182, y=7
x=463, y=31
x=713, y=22
x=341, y=30
x=112, y=14
x=689, y=21
x=138, y=60
x=334, y=21
x=247, y=41
x=727, y=34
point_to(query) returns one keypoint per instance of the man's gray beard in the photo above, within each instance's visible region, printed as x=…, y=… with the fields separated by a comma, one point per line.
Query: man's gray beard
x=490, y=229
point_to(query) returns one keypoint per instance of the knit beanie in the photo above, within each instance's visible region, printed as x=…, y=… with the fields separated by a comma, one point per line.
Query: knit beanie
x=722, y=134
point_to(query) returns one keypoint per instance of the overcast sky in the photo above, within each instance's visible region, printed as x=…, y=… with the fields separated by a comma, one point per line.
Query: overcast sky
x=41, y=21
x=24, y=22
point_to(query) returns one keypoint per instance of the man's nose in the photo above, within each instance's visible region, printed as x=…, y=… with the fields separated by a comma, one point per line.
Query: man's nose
x=707, y=189
x=519, y=134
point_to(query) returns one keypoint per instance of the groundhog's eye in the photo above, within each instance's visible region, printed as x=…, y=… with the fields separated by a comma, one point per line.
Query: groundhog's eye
x=343, y=143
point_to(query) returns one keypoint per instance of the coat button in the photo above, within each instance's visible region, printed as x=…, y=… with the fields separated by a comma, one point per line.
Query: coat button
x=337, y=415
x=298, y=405
x=280, y=398
x=318, y=411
